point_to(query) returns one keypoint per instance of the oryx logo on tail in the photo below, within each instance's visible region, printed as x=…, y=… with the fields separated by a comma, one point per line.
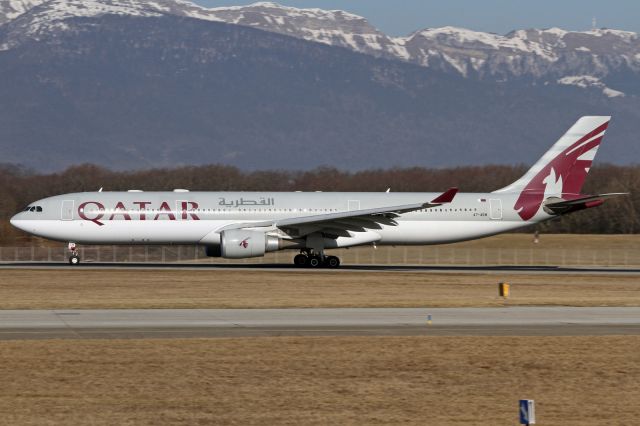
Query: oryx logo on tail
x=561, y=172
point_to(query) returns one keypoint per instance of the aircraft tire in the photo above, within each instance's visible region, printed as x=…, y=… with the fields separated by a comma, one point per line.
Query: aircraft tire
x=315, y=262
x=301, y=260
x=74, y=259
x=333, y=262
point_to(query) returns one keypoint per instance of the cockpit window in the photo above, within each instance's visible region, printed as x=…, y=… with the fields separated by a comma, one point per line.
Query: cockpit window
x=33, y=209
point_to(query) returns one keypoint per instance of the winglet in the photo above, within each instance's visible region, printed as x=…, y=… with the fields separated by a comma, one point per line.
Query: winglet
x=445, y=197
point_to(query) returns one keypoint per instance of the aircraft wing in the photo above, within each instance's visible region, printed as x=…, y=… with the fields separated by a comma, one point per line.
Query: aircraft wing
x=339, y=224
x=561, y=206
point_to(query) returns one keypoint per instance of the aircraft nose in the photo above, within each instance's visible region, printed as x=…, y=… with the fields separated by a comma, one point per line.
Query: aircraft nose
x=15, y=221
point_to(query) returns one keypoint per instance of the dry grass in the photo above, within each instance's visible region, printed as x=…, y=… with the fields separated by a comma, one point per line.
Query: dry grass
x=321, y=380
x=509, y=249
x=42, y=289
x=506, y=249
x=563, y=241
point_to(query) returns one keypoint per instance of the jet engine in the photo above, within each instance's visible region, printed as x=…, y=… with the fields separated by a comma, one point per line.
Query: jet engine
x=241, y=244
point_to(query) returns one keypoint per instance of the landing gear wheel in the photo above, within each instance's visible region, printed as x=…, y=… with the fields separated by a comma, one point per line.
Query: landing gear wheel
x=301, y=260
x=74, y=259
x=333, y=262
x=315, y=262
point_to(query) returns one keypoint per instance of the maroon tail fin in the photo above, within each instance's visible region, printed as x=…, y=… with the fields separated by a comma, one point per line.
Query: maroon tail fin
x=560, y=172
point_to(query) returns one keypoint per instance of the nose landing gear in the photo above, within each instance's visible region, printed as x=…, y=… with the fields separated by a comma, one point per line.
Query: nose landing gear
x=74, y=257
x=307, y=259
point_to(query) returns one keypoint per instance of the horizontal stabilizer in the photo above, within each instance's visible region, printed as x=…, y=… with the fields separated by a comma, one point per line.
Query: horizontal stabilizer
x=555, y=205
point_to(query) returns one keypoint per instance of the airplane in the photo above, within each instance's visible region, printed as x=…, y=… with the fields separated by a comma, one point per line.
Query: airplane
x=238, y=225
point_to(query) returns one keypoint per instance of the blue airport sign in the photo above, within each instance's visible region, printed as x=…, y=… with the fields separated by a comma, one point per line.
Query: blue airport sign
x=527, y=412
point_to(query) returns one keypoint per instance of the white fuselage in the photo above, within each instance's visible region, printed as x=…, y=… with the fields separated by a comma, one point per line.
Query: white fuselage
x=197, y=217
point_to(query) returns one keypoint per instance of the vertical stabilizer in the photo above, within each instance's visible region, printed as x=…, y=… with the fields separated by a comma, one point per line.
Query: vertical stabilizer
x=562, y=170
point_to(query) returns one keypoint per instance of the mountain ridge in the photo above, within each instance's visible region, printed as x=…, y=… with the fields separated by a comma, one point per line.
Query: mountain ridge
x=133, y=84
x=545, y=56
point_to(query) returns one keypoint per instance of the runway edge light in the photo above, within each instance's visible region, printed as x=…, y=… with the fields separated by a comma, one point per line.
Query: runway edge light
x=527, y=412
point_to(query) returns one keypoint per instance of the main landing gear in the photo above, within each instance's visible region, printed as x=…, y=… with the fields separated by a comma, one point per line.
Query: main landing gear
x=307, y=259
x=74, y=257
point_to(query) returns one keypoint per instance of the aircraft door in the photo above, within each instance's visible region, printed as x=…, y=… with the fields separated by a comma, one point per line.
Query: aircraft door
x=496, y=209
x=353, y=205
x=67, y=210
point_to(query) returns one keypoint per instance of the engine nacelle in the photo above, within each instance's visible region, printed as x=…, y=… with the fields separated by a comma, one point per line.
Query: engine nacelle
x=241, y=244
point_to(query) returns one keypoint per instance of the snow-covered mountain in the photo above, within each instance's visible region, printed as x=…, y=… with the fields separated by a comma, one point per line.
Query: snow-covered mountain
x=551, y=56
x=37, y=19
x=552, y=53
x=133, y=83
x=11, y=9
x=332, y=27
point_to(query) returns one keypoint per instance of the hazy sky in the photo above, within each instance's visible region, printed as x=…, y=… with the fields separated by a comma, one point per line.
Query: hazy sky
x=401, y=17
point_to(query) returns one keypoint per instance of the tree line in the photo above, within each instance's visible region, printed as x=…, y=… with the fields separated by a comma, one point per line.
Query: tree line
x=19, y=186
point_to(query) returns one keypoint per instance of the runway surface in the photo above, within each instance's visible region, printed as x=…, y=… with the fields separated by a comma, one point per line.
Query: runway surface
x=345, y=268
x=181, y=323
